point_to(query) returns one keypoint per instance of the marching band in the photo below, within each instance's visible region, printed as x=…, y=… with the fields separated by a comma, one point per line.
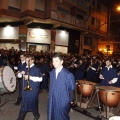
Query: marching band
x=64, y=73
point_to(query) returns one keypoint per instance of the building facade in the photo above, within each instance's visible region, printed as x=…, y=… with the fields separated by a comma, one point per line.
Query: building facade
x=84, y=21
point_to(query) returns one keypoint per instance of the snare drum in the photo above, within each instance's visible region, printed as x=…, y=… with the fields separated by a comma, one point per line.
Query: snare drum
x=7, y=80
x=86, y=87
x=109, y=96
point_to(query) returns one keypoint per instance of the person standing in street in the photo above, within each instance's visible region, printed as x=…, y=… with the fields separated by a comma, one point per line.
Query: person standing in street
x=21, y=66
x=33, y=76
x=108, y=74
x=62, y=83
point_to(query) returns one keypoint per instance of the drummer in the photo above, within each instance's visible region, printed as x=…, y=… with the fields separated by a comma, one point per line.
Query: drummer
x=108, y=75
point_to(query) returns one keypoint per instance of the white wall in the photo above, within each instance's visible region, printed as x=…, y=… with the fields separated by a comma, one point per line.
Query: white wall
x=61, y=49
x=61, y=38
x=40, y=47
x=9, y=32
x=9, y=46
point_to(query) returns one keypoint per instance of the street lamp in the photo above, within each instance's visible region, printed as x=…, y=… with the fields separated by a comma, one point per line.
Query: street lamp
x=118, y=8
x=108, y=28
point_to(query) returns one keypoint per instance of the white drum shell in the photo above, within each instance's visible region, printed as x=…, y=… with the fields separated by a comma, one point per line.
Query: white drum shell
x=7, y=80
x=114, y=118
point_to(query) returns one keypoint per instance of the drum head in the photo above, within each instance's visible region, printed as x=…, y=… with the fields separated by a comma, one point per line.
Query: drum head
x=114, y=118
x=9, y=79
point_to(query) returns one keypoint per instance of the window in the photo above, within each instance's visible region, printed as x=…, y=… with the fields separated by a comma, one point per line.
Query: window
x=98, y=23
x=63, y=10
x=87, y=41
x=14, y=5
x=40, y=5
x=93, y=21
x=98, y=7
x=93, y=3
x=79, y=16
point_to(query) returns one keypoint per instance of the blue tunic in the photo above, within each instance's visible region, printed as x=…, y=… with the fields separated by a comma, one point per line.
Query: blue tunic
x=108, y=75
x=44, y=68
x=118, y=82
x=1, y=61
x=30, y=98
x=91, y=73
x=59, y=94
x=79, y=73
x=21, y=67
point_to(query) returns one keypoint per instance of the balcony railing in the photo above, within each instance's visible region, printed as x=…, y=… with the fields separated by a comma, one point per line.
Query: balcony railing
x=69, y=19
x=81, y=3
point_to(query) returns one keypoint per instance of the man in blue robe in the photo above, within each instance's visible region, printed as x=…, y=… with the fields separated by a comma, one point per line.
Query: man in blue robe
x=32, y=81
x=62, y=82
x=20, y=68
x=109, y=74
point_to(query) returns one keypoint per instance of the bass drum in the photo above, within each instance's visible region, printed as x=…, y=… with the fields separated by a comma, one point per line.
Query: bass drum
x=114, y=118
x=7, y=80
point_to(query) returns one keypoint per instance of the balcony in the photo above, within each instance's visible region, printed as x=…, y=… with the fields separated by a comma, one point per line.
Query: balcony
x=69, y=19
x=82, y=4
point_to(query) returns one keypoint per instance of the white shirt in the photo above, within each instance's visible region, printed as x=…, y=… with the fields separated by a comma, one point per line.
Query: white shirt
x=109, y=67
x=22, y=62
x=58, y=70
x=33, y=78
x=16, y=68
x=114, y=80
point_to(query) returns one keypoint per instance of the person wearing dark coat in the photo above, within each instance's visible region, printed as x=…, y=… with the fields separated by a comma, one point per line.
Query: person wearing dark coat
x=79, y=73
x=21, y=66
x=44, y=68
x=98, y=71
x=1, y=60
x=30, y=96
x=61, y=84
x=108, y=74
x=91, y=71
x=118, y=72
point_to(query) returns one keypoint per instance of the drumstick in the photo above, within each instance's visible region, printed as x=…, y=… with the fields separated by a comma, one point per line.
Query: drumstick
x=103, y=78
x=106, y=81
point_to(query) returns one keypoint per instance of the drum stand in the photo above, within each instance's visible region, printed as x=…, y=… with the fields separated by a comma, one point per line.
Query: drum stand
x=79, y=109
x=1, y=102
x=107, y=110
x=118, y=109
x=7, y=99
